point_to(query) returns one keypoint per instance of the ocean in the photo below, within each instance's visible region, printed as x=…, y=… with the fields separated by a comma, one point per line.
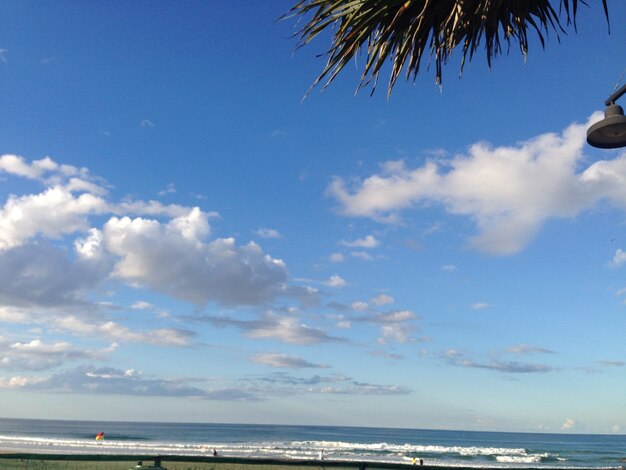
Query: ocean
x=442, y=448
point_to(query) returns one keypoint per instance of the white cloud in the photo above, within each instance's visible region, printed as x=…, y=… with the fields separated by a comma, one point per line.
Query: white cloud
x=285, y=384
x=146, y=123
x=394, y=332
x=480, y=306
x=568, y=424
x=284, y=361
x=526, y=349
x=90, y=247
x=170, y=189
x=456, y=358
x=93, y=323
x=395, y=316
x=173, y=258
x=16, y=165
x=268, y=233
x=38, y=355
x=394, y=326
x=367, y=242
x=362, y=255
x=108, y=380
x=3, y=55
x=43, y=276
x=141, y=305
x=359, y=306
x=335, y=281
x=72, y=195
x=383, y=299
x=449, y=268
x=19, y=382
x=117, y=332
x=619, y=258
x=53, y=213
x=273, y=326
x=336, y=258
x=508, y=191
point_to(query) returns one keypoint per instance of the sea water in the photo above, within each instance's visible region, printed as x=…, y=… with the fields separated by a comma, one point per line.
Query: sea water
x=443, y=448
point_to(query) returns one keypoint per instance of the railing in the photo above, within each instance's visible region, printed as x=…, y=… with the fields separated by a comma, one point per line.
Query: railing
x=11, y=461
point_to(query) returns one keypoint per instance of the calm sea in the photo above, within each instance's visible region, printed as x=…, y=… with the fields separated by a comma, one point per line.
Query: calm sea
x=445, y=448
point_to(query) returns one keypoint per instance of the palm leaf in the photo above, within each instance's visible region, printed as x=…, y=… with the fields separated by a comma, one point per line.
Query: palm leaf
x=402, y=32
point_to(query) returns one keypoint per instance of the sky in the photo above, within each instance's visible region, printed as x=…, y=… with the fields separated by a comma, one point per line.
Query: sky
x=184, y=236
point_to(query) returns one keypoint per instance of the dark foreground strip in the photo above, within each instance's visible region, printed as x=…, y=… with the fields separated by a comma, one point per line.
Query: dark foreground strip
x=236, y=460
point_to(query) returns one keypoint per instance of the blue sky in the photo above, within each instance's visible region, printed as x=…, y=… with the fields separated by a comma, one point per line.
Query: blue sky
x=184, y=238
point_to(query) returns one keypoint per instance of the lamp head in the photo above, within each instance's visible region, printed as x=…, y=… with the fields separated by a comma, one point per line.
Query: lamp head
x=610, y=133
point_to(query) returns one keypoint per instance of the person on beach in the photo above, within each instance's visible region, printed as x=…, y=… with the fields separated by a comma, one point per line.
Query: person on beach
x=214, y=453
x=321, y=456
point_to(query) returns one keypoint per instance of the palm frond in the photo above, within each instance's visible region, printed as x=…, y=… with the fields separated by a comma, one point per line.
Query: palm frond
x=402, y=32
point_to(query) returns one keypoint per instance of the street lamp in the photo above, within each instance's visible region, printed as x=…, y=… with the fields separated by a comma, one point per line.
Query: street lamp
x=610, y=133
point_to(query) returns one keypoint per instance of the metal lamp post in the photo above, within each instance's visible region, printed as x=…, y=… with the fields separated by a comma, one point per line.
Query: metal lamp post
x=610, y=132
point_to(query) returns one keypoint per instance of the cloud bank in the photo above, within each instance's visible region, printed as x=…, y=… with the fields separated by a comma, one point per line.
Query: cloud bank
x=509, y=191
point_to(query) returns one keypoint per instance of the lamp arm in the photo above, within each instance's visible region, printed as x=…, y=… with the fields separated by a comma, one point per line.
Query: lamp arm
x=615, y=96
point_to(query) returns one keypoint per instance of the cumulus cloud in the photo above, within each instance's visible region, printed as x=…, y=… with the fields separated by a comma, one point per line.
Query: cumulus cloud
x=396, y=326
x=335, y=281
x=368, y=241
x=45, y=276
x=284, y=361
x=173, y=258
x=359, y=306
x=53, y=213
x=508, y=191
x=382, y=299
x=568, y=424
x=37, y=355
x=395, y=332
x=64, y=207
x=619, y=258
x=336, y=258
x=268, y=233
